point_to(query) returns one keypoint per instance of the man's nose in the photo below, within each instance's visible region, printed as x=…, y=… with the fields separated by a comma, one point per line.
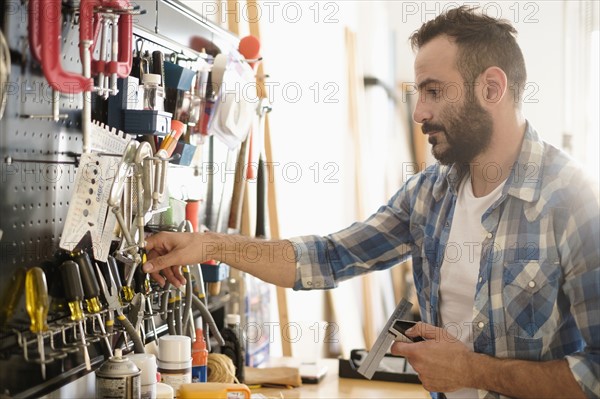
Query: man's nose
x=421, y=113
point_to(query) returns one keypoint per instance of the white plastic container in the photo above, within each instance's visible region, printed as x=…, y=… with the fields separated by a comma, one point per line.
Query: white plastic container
x=164, y=391
x=175, y=360
x=146, y=362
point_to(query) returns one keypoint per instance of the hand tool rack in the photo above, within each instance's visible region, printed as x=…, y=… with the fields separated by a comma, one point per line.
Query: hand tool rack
x=38, y=160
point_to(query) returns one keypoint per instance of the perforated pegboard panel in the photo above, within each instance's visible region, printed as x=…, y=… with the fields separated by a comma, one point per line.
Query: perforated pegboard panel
x=38, y=162
x=37, y=170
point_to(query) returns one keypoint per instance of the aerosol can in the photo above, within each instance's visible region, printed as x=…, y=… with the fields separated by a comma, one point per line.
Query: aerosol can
x=118, y=377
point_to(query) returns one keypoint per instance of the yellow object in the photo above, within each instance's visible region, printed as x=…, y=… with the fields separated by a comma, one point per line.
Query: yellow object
x=36, y=299
x=12, y=295
x=213, y=390
x=93, y=305
x=37, y=304
x=76, y=311
x=220, y=368
x=128, y=293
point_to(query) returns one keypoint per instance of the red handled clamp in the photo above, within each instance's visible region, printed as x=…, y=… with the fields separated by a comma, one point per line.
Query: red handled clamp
x=45, y=25
x=89, y=27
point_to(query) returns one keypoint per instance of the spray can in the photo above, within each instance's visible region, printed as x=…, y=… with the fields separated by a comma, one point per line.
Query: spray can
x=118, y=377
x=175, y=360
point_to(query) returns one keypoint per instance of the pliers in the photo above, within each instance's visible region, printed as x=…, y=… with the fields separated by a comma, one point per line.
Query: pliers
x=112, y=299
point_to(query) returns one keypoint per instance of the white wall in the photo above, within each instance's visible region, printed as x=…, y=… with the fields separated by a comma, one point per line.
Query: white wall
x=541, y=37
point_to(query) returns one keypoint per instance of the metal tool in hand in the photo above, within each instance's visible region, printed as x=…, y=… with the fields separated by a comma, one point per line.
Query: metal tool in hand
x=387, y=336
x=111, y=297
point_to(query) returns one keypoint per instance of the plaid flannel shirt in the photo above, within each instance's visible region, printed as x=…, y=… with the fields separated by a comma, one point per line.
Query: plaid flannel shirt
x=538, y=291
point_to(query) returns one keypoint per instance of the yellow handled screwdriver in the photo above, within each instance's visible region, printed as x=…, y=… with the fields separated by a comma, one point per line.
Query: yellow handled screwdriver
x=12, y=296
x=37, y=304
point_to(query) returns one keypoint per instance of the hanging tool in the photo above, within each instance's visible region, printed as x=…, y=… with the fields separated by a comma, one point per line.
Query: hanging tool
x=11, y=296
x=136, y=313
x=182, y=318
x=142, y=167
x=198, y=279
x=91, y=293
x=385, y=339
x=189, y=271
x=37, y=304
x=74, y=295
x=116, y=193
x=174, y=316
x=119, y=13
x=34, y=30
x=239, y=188
x=262, y=175
x=114, y=270
x=103, y=21
x=111, y=297
x=45, y=33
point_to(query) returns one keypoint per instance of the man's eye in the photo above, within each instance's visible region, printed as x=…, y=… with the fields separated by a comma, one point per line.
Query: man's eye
x=433, y=92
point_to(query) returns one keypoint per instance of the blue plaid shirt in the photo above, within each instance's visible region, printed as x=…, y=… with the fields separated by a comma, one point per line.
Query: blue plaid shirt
x=538, y=291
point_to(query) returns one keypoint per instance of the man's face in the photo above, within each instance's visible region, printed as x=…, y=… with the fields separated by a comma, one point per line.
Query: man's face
x=459, y=128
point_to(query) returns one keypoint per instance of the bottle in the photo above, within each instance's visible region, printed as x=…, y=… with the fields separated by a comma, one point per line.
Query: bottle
x=118, y=377
x=146, y=362
x=153, y=92
x=199, y=358
x=175, y=360
x=234, y=346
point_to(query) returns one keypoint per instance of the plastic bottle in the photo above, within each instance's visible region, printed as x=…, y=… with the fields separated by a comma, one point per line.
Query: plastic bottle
x=199, y=358
x=175, y=360
x=153, y=92
x=146, y=362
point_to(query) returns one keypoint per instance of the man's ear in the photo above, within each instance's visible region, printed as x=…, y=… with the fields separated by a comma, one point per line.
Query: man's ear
x=494, y=85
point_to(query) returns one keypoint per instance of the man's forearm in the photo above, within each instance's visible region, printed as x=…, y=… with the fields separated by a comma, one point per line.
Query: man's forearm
x=524, y=379
x=273, y=261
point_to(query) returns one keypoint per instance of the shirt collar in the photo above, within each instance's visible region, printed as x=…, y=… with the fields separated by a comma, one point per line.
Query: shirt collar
x=525, y=178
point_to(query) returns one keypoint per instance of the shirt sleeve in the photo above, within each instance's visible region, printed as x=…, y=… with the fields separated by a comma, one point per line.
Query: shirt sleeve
x=580, y=256
x=380, y=242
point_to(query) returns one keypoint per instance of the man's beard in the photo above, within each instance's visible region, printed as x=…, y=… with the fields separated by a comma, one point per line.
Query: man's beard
x=468, y=133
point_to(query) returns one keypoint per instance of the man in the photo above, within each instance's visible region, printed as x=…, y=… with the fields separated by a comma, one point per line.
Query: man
x=517, y=300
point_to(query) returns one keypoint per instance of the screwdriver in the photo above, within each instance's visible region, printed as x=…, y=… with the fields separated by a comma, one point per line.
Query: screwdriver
x=37, y=304
x=91, y=292
x=74, y=296
x=12, y=295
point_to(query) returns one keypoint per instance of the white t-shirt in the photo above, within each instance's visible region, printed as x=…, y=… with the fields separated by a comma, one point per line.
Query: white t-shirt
x=460, y=267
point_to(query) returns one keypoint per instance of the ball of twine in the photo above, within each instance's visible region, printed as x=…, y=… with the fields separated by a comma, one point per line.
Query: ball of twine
x=220, y=368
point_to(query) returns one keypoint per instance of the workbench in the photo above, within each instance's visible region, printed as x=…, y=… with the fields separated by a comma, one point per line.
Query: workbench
x=334, y=387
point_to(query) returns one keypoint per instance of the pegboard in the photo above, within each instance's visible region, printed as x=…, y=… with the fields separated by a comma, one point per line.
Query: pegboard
x=38, y=163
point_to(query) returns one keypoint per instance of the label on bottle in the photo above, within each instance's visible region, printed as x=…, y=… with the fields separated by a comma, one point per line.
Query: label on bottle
x=175, y=378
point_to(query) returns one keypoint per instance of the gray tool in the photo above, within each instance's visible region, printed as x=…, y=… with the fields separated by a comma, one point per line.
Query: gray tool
x=387, y=336
x=114, y=305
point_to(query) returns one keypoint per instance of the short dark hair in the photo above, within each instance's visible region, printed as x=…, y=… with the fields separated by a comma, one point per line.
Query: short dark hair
x=482, y=42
